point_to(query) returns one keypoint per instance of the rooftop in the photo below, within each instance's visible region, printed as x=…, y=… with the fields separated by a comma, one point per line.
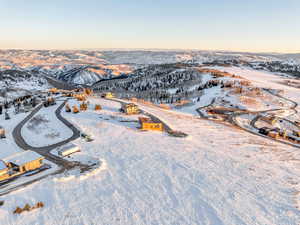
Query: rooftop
x=67, y=147
x=130, y=104
x=23, y=157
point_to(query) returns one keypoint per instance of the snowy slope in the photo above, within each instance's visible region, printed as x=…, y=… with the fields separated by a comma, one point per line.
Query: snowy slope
x=77, y=75
x=265, y=79
x=8, y=146
x=107, y=64
x=217, y=175
x=15, y=83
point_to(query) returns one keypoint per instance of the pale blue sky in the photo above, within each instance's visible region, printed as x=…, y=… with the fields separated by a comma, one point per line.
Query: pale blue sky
x=242, y=25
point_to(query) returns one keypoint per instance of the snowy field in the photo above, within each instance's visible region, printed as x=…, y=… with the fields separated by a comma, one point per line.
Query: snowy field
x=247, y=100
x=218, y=175
x=27, y=178
x=264, y=79
x=7, y=145
x=45, y=129
x=205, y=99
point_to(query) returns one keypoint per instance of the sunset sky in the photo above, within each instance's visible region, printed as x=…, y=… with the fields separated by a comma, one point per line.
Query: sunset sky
x=256, y=25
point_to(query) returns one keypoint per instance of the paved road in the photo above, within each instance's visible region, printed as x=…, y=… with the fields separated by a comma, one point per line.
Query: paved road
x=166, y=127
x=199, y=109
x=295, y=104
x=232, y=118
x=258, y=116
x=261, y=135
x=45, y=151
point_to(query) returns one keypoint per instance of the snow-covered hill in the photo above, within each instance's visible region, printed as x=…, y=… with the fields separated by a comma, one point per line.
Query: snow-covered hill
x=88, y=67
x=78, y=75
x=217, y=175
x=14, y=83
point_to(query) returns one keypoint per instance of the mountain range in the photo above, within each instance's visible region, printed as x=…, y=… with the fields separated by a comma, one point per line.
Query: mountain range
x=87, y=67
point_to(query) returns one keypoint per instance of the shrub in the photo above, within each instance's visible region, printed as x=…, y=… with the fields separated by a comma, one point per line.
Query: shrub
x=18, y=210
x=27, y=207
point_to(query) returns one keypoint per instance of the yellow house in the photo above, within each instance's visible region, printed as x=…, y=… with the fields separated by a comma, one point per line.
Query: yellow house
x=108, y=95
x=25, y=161
x=130, y=108
x=296, y=133
x=148, y=124
x=3, y=171
x=53, y=90
x=2, y=132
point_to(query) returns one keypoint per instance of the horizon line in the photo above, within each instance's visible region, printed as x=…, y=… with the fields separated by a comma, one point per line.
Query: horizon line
x=152, y=49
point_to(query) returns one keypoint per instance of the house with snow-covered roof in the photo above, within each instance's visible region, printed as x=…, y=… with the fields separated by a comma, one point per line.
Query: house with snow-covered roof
x=24, y=161
x=68, y=150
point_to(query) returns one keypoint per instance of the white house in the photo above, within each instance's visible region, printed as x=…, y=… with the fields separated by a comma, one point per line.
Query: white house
x=68, y=150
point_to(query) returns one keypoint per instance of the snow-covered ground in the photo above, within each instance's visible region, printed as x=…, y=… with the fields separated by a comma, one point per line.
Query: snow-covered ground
x=45, y=129
x=264, y=101
x=218, y=175
x=28, y=178
x=76, y=156
x=264, y=79
x=110, y=112
x=7, y=145
x=244, y=121
x=25, y=85
x=206, y=99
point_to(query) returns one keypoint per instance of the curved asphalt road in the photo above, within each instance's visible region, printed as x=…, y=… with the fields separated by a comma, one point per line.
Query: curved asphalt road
x=166, y=127
x=232, y=119
x=45, y=151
